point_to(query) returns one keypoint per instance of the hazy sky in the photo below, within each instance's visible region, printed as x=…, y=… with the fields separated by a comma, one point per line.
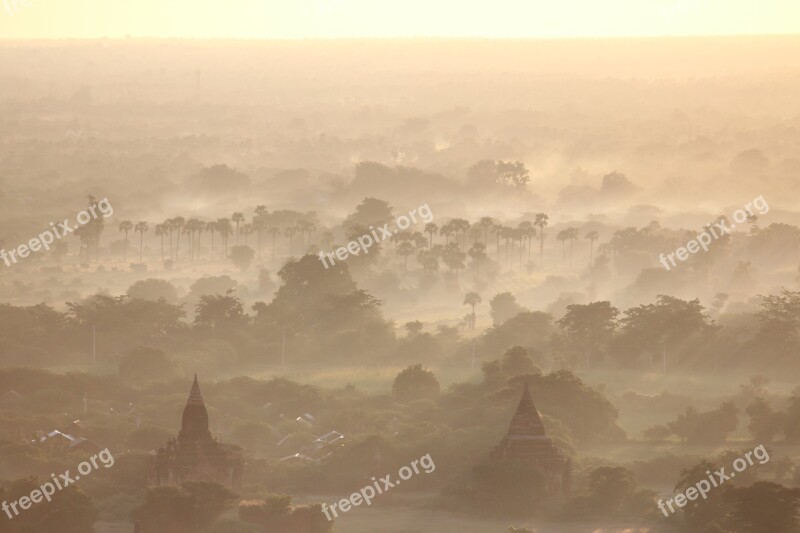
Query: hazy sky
x=393, y=18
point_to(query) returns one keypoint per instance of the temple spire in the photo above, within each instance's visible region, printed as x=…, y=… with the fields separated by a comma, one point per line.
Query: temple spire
x=194, y=423
x=526, y=422
x=195, y=397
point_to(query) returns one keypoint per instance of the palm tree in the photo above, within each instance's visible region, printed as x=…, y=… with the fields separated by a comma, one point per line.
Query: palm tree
x=541, y=222
x=225, y=228
x=126, y=226
x=447, y=230
x=519, y=235
x=327, y=239
x=200, y=227
x=472, y=299
x=507, y=234
x=168, y=226
x=405, y=249
x=478, y=253
x=189, y=229
x=562, y=236
x=498, y=233
x=210, y=227
x=177, y=224
x=247, y=229
x=475, y=232
x=161, y=230
x=431, y=229
x=572, y=234
x=486, y=223
x=303, y=227
x=238, y=218
x=290, y=232
x=592, y=236
x=460, y=225
x=529, y=232
x=260, y=224
x=142, y=228
x=274, y=231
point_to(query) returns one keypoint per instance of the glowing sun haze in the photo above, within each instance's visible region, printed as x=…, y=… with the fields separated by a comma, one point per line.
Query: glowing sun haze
x=299, y=19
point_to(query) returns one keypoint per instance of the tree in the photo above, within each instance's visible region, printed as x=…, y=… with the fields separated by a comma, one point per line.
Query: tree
x=541, y=222
x=589, y=327
x=153, y=289
x=453, y=257
x=215, y=311
x=477, y=254
x=405, y=249
x=237, y=218
x=517, y=362
x=145, y=364
x=711, y=512
x=192, y=226
x=211, y=226
x=290, y=232
x=563, y=236
x=472, y=299
x=710, y=427
x=125, y=226
x=486, y=223
x=652, y=327
x=460, y=225
x=260, y=224
x=415, y=383
x=764, y=507
x=503, y=306
x=431, y=229
x=141, y=229
x=591, y=236
x=414, y=327
x=572, y=234
x=371, y=211
x=190, y=508
x=177, y=225
x=499, y=173
x=765, y=422
x=242, y=256
x=447, y=230
x=528, y=232
x=224, y=228
x=70, y=511
x=273, y=231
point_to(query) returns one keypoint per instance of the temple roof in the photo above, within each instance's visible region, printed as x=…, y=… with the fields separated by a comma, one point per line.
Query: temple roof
x=195, y=417
x=526, y=423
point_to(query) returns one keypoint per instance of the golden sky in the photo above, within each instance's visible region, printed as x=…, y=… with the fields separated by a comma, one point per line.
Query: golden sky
x=298, y=19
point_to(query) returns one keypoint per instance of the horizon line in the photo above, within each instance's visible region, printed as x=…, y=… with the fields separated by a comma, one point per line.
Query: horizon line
x=128, y=38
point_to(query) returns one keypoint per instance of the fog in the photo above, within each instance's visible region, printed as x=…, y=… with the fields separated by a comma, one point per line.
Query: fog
x=264, y=275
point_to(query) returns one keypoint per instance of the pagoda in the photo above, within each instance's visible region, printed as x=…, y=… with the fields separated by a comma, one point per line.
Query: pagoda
x=196, y=455
x=527, y=441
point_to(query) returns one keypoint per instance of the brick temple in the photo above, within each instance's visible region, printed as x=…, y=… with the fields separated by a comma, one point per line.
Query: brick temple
x=527, y=441
x=196, y=455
